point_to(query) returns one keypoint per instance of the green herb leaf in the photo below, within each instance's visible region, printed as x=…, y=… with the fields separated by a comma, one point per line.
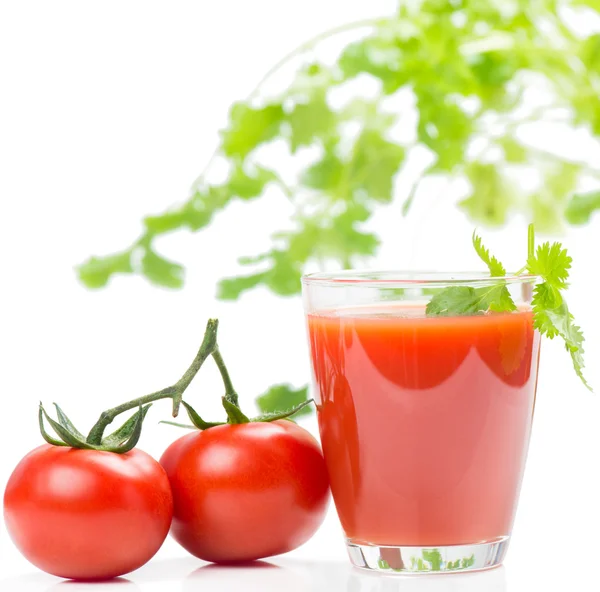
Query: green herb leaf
x=161, y=271
x=491, y=196
x=250, y=127
x=311, y=121
x=456, y=300
x=96, y=271
x=551, y=315
x=378, y=57
x=325, y=174
x=552, y=318
x=581, y=207
x=368, y=172
x=552, y=263
x=281, y=397
x=372, y=168
x=496, y=268
x=249, y=185
x=443, y=127
x=514, y=151
x=466, y=300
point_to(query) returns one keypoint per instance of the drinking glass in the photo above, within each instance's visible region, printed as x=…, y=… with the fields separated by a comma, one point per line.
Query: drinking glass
x=424, y=420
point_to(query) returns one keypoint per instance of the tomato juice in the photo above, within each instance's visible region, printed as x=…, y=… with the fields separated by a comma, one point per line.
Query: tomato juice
x=424, y=421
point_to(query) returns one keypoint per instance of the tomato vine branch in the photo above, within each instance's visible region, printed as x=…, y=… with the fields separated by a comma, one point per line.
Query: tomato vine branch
x=174, y=392
x=230, y=393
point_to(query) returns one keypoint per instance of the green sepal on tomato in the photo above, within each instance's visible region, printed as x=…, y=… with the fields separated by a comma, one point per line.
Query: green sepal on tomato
x=94, y=507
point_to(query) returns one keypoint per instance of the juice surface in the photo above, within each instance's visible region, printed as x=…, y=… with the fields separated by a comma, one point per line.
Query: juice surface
x=424, y=422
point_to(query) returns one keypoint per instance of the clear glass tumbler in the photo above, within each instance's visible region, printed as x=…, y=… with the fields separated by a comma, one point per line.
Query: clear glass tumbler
x=424, y=421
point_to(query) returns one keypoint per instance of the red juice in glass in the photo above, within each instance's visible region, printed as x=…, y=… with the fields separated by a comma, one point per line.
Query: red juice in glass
x=424, y=421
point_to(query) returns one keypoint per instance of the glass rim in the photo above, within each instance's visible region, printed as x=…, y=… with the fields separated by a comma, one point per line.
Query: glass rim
x=404, y=278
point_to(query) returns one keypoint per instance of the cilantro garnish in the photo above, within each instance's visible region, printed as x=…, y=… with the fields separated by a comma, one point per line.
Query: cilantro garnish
x=551, y=314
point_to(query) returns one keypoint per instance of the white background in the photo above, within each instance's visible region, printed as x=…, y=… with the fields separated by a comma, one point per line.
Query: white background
x=108, y=112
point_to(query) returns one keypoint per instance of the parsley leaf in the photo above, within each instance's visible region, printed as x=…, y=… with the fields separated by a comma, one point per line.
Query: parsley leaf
x=551, y=313
x=367, y=172
x=161, y=271
x=311, y=121
x=281, y=397
x=581, y=207
x=551, y=318
x=96, y=271
x=491, y=194
x=249, y=127
x=456, y=300
x=463, y=68
x=496, y=268
x=552, y=263
x=465, y=300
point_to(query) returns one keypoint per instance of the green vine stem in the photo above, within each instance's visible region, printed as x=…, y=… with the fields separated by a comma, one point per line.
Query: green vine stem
x=230, y=393
x=174, y=392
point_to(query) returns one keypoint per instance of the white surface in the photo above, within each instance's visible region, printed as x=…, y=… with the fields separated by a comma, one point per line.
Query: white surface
x=108, y=111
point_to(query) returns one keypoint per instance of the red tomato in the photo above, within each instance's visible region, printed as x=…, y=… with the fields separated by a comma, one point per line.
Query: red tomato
x=86, y=514
x=247, y=491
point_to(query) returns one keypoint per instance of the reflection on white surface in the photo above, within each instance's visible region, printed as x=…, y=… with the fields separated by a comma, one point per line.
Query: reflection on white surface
x=276, y=575
x=292, y=576
x=493, y=580
x=116, y=585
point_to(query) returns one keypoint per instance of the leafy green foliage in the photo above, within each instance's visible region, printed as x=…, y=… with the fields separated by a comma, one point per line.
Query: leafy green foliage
x=96, y=272
x=551, y=262
x=496, y=268
x=467, y=67
x=466, y=64
x=491, y=194
x=310, y=122
x=249, y=127
x=283, y=396
x=466, y=300
x=551, y=315
x=581, y=207
x=161, y=271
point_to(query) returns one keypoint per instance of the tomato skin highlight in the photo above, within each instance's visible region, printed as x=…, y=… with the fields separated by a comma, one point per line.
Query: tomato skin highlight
x=87, y=514
x=247, y=491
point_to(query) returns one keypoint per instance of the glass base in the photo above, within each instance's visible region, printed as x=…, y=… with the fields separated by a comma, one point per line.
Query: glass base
x=428, y=560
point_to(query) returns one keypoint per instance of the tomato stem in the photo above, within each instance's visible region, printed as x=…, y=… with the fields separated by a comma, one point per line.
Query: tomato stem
x=174, y=392
x=230, y=393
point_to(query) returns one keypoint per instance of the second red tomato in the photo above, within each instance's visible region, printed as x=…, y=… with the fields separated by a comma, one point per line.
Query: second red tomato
x=246, y=491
